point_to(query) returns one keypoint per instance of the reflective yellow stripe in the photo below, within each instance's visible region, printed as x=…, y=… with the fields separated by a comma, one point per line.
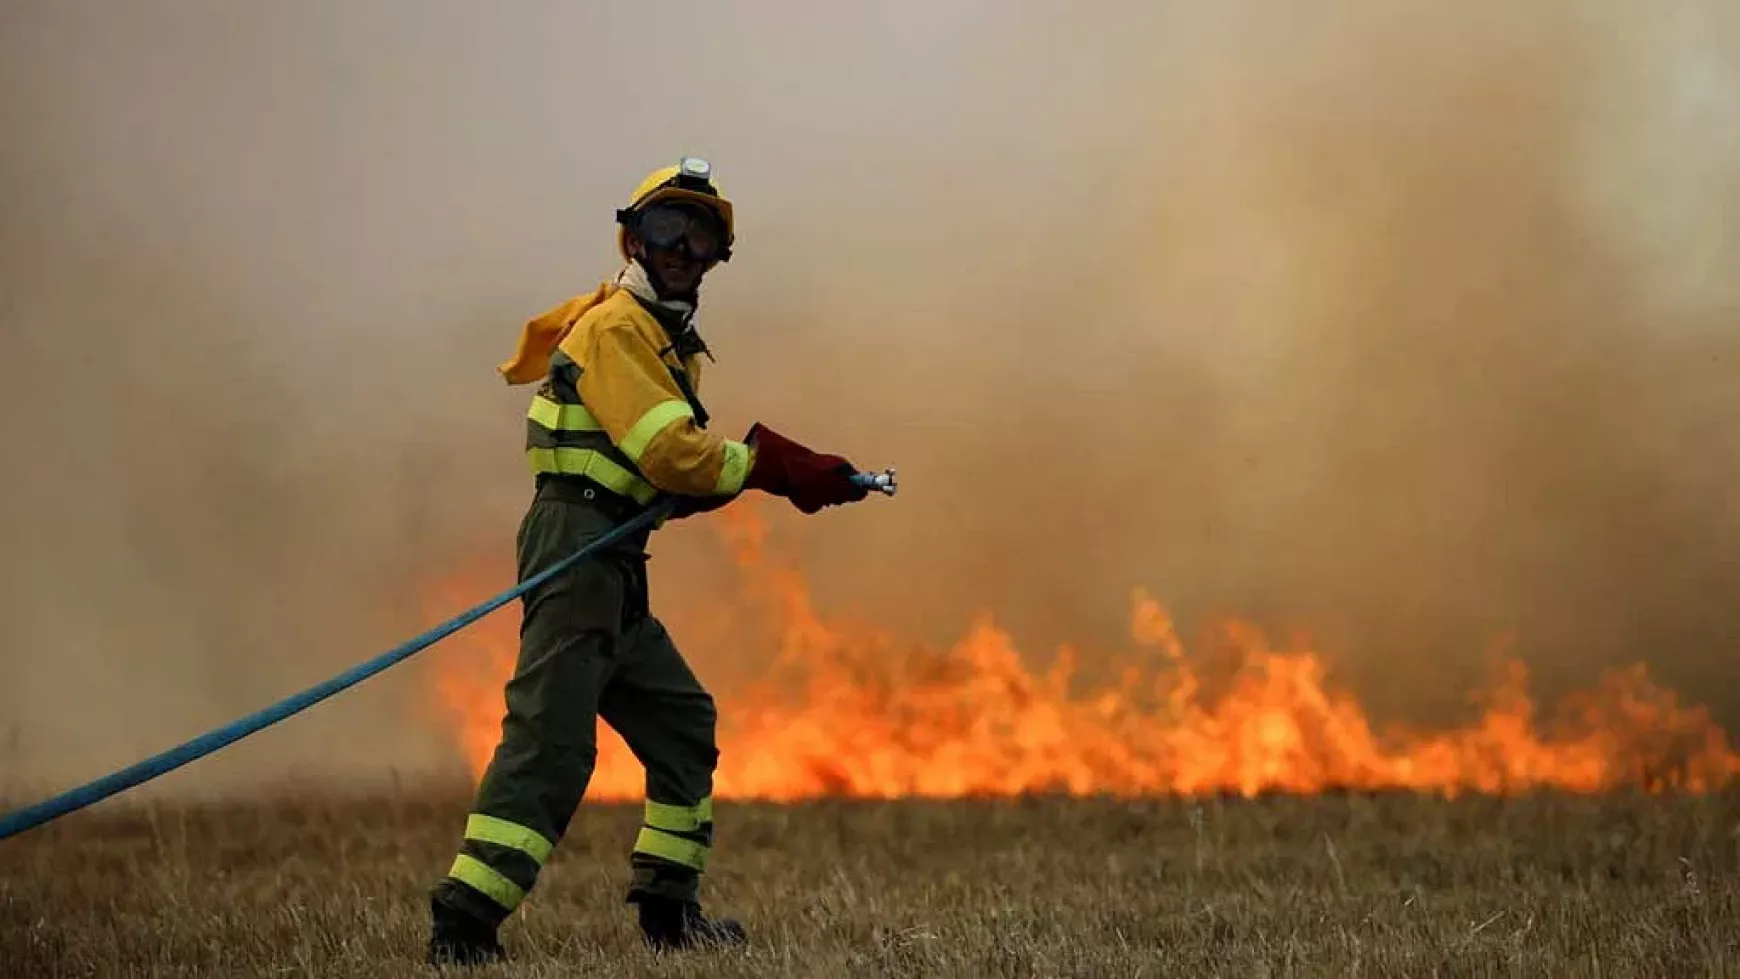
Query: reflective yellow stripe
x=650, y=424
x=673, y=848
x=491, y=883
x=488, y=829
x=735, y=470
x=561, y=417
x=680, y=819
x=594, y=466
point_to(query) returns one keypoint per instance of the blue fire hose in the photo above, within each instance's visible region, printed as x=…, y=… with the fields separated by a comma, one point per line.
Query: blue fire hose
x=72, y=800
x=90, y=793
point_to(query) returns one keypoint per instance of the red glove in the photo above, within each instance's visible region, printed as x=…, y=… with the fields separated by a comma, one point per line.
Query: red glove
x=810, y=480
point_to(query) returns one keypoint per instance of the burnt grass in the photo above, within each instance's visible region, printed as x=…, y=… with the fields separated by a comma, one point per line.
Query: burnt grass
x=1342, y=885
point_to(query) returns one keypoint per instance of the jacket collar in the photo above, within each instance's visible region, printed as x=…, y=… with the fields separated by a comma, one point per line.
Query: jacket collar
x=676, y=316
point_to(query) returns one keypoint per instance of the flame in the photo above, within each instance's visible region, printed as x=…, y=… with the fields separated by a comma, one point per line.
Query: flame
x=850, y=710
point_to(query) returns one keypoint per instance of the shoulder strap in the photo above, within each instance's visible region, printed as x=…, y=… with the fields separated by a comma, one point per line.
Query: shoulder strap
x=681, y=376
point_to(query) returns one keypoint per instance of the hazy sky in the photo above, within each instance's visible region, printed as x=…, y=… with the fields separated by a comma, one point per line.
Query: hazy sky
x=1411, y=327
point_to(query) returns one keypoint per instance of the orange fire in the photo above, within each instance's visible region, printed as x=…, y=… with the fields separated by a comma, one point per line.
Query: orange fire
x=852, y=711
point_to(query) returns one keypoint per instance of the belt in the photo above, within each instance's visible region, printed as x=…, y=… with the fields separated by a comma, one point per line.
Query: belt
x=579, y=489
x=614, y=506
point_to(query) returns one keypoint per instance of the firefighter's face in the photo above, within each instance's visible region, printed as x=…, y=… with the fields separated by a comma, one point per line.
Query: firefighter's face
x=677, y=270
x=678, y=245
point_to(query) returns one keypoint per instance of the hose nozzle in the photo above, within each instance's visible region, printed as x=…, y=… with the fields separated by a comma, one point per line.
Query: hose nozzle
x=882, y=482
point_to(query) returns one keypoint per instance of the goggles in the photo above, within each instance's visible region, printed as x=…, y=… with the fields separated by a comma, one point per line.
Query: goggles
x=665, y=225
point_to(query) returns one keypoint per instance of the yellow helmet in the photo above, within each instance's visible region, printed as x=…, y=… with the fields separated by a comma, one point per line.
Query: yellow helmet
x=691, y=179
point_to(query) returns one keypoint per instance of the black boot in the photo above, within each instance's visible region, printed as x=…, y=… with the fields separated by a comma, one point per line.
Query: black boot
x=670, y=924
x=457, y=938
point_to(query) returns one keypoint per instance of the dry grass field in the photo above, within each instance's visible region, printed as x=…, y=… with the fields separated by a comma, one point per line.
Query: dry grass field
x=1342, y=885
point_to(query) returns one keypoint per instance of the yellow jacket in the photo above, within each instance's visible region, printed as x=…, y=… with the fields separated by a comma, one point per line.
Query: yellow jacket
x=610, y=406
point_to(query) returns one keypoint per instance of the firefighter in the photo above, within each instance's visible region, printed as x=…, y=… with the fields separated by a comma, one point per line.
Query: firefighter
x=616, y=422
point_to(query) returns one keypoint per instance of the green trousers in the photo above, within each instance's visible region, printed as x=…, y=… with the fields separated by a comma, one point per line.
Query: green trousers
x=589, y=648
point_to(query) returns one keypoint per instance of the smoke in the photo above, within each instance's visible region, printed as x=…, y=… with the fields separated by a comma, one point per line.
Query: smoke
x=1407, y=326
